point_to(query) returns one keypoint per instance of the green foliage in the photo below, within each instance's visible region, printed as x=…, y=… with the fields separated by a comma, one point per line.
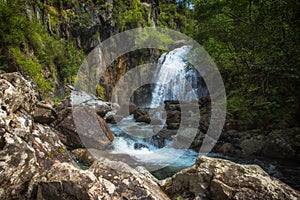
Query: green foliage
x=130, y=14
x=256, y=47
x=100, y=92
x=26, y=46
x=31, y=67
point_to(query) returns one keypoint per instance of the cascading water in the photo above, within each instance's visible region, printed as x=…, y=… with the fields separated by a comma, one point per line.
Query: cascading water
x=175, y=79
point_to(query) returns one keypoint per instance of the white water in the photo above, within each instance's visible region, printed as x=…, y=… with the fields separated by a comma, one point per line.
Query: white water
x=124, y=144
x=173, y=79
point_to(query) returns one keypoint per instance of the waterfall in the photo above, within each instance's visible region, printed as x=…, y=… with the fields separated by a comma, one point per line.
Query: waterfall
x=175, y=79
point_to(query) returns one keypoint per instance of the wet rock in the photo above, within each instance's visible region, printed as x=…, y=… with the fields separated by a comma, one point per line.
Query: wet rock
x=173, y=126
x=173, y=117
x=102, y=110
x=140, y=112
x=211, y=178
x=140, y=146
x=110, y=119
x=144, y=118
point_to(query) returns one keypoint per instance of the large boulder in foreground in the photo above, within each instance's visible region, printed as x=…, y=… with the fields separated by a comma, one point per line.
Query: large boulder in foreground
x=218, y=179
x=87, y=129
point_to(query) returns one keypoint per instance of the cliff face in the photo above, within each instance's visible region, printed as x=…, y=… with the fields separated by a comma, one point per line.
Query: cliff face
x=84, y=22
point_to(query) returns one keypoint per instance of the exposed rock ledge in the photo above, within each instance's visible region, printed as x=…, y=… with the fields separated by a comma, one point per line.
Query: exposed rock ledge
x=35, y=164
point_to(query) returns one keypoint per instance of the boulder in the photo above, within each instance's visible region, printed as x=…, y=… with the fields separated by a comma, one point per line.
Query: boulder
x=252, y=146
x=173, y=126
x=102, y=110
x=226, y=149
x=128, y=108
x=144, y=118
x=140, y=112
x=65, y=181
x=127, y=183
x=283, y=144
x=140, y=146
x=212, y=178
x=98, y=135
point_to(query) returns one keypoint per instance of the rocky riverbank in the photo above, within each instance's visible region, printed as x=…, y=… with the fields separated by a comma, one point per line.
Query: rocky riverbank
x=36, y=141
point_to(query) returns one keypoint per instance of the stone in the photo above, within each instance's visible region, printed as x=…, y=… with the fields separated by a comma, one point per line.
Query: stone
x=212, y=178
x=140, y=146
x=173, y=126
x=144, y=118
x=140, y=112
x=65, y=181
x=227, y=149
x=127, y=109
x=283, y=144
x=173, y=117
x=44, y=114
x=252, y=146
x=16, y=92
x=102, y=110
x=128, y=182
x=83, y=156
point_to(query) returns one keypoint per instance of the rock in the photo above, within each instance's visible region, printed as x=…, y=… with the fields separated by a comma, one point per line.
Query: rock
x=283, y=144
x=16, y=92
x=144, y=118
x=140, y=146
x=92, y=130
x=128, y=182
x=110, y=119
x=102, y=110
x=227, y=149
x=173, y=117
x=127, y=109
x=252, y=146
x=140, y=112
x=64, y=181
x=98, y=135
x=106, y=129
x=171, y=105
x=173, y=126
x=211, y=178
x=83, y=156
x=68, y=133
x=44, y=114
x=21, y=160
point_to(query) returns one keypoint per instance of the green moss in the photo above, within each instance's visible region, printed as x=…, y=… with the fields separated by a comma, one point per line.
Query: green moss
x=100, y=92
